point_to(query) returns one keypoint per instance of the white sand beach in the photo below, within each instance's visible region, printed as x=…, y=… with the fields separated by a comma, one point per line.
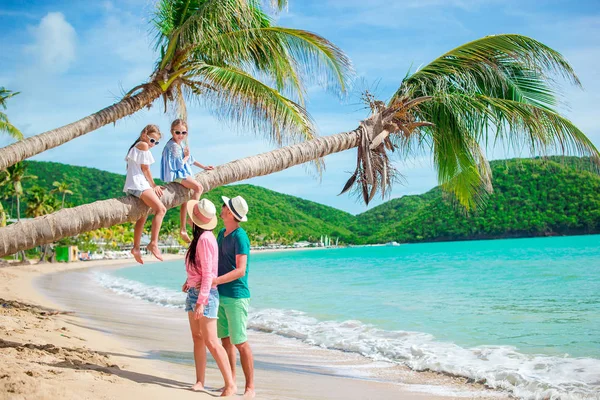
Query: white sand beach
x=62, y=338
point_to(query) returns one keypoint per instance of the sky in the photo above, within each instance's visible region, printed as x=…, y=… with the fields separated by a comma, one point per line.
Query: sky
x=70, y=59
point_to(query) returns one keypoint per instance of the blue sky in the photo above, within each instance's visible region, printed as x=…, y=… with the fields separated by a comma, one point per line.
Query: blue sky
x=72, y=58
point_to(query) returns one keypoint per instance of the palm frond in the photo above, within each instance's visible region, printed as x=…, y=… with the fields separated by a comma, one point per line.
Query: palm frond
x=5, y=125
x=291, y=58
x=8, y=128
x=279, y=5
x=498, y=88
x=6, y=94
x=492, y=65
x=182, y=24
x=251, y=103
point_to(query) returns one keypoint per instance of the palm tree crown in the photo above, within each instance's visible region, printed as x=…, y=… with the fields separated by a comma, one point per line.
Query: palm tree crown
x=495, y=89
x=63, y=188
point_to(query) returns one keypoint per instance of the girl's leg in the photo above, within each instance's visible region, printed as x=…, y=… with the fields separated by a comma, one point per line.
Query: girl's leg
x=137, y=238
x=151, y=200
x=208, y=328
x=188, y=183
x=199, y=352
x=183, y=221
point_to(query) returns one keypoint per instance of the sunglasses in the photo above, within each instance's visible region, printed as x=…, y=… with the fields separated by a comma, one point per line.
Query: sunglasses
x=153, y=141
x=181, y=133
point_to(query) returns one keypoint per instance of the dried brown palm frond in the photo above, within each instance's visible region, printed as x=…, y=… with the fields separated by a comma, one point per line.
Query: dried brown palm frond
x=374, y=169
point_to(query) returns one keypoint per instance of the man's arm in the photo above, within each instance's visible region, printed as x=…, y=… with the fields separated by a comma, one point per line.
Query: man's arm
x=240, y=270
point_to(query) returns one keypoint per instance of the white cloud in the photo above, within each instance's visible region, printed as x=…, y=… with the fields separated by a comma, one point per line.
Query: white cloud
x=55, y=42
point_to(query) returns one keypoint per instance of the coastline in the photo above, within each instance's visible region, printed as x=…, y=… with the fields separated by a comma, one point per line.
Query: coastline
x=49, y=355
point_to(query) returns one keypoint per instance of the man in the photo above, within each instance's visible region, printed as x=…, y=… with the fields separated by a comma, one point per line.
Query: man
x=232, y=282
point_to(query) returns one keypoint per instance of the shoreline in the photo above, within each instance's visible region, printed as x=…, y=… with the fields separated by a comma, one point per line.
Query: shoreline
x=107, y=366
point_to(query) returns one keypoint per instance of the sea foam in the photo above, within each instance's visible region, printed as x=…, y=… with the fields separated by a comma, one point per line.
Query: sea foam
x=526, y=376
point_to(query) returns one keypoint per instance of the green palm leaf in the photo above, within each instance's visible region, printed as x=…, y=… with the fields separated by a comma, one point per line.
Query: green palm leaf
x=5, y=125
x=249, y=102
x=498, y=88
x=8, y=128
x=290, y=58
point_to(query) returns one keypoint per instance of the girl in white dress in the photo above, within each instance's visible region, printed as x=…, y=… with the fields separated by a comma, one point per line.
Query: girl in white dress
x=139, y=183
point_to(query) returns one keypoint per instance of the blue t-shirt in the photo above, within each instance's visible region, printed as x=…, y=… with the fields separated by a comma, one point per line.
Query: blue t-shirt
x=235, y=243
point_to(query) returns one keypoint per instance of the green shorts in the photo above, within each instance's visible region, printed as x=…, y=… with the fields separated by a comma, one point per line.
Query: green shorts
x=233, y=318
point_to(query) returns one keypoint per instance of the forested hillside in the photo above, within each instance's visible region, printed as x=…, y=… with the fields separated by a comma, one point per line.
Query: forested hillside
x=557, y=196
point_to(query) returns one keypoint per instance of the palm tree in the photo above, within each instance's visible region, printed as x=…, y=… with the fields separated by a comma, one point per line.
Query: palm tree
x=3, y=217
x=5, y=125
x=214, y=51
x=39, y=202
x=63, y=189
x=495, y=88
x=15, y=175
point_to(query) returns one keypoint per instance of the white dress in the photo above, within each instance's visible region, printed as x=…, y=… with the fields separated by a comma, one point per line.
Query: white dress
x=135, y=176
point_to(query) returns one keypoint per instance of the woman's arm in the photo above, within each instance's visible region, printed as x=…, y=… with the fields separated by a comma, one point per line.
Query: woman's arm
x=205, y=254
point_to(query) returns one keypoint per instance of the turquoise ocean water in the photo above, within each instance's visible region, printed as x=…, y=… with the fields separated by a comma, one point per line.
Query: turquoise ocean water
x=522, y=315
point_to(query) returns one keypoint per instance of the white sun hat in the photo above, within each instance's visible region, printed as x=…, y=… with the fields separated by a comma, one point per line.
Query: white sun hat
x=237, y=206
x=203, y=213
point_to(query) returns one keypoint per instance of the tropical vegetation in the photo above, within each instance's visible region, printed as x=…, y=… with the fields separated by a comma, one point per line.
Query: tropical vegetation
x=532, y=197
x=550, y=197
x=277, y=218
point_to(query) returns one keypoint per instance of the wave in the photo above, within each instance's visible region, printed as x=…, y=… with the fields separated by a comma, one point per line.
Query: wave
x=526, y=376
x=153, y=294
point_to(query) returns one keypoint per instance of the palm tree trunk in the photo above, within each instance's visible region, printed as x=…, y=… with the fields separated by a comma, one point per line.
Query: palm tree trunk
x=73, y=221
x=63, y=201
x=2, y=216
x=31, y=146
x=22, y=251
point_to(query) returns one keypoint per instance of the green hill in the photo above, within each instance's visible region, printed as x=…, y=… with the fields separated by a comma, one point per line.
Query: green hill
x=556, y=196
x=274, y=216
x=531, y=198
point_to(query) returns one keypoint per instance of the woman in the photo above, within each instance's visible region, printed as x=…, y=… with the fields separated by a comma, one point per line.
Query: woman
x=201, y=264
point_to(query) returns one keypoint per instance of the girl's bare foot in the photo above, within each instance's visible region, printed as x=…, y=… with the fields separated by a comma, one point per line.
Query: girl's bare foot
x=153, y=248
x=249, y=393
x=198, y=387
x=137, y=254
x=184, y=236
x=228, y=391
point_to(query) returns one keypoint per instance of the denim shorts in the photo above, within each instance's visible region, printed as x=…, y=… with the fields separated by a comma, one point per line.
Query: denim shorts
x=210, y=310
x=135, y=193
